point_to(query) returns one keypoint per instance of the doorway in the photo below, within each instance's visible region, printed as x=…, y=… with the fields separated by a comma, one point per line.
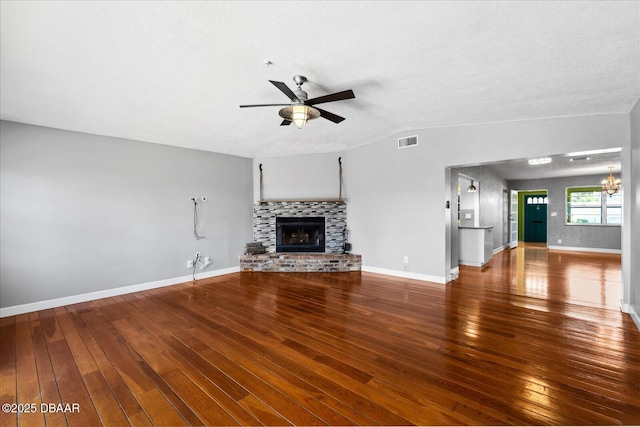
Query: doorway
x=534, y=216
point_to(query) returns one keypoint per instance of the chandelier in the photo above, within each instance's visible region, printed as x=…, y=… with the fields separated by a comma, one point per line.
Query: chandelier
x=611, y=185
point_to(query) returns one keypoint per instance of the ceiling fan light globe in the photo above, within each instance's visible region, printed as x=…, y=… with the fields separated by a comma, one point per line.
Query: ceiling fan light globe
x=299, y=115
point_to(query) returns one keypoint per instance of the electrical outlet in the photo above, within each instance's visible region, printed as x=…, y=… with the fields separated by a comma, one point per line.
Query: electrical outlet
x=190, y=263
x=207, y=262
x=559, y=241
x=406, y=259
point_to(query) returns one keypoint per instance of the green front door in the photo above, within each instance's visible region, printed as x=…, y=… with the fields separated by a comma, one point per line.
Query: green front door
x=535, y=219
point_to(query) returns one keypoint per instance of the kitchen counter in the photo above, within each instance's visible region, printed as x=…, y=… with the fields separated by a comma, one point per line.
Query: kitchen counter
x=476, y=245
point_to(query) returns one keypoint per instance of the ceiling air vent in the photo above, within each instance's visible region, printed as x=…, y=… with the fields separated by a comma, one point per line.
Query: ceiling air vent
x=410, y=141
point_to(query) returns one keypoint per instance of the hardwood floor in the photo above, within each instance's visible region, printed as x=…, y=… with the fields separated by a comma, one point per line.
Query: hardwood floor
x=534, y=337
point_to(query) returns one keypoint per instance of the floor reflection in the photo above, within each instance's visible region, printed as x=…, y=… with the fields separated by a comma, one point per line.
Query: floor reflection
x=592, y=279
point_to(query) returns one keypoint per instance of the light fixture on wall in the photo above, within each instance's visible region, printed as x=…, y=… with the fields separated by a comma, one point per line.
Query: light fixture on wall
x=472, y=188
x=611, y=185
x=299, y=114
x=540, y=161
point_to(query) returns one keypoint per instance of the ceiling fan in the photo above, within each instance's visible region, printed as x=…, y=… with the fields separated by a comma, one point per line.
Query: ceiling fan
x=302, y=109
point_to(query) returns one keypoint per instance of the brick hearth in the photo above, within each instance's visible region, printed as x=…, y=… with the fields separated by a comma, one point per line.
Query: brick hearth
x=301, y=262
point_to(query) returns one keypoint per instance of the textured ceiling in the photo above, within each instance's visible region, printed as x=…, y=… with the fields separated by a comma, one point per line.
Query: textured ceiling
x=175, y=72
x=572, y=164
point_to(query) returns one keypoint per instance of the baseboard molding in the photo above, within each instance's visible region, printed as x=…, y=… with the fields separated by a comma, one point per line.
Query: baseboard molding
x=405, y=274
x=74, y=299
x=624, y=307
x=470, y=263
x=455, y=273
x=578, y=249
x=500, y=249
x=634, y=316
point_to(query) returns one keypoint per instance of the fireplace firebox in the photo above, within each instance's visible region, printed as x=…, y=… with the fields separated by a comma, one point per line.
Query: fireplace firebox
x=300, y=234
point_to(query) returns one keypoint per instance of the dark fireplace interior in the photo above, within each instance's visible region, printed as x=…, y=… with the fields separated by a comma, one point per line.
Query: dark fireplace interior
x=300, y=234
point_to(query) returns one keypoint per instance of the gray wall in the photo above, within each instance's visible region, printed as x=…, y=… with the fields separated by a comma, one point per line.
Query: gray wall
x=397, y=197
x=81, y=213
x=575, y=236
x=305, y=177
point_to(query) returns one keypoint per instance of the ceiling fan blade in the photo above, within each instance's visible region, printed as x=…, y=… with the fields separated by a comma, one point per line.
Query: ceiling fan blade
x=285, y=122
x=338, y=96
x=265, y=105
x=329, y=116
x=285, y=89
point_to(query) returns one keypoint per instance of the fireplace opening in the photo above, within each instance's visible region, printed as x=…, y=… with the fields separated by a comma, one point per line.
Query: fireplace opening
x=300, y=234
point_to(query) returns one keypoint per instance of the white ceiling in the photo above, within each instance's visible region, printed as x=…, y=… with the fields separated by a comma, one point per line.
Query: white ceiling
x=175, y=72
x=571, y=164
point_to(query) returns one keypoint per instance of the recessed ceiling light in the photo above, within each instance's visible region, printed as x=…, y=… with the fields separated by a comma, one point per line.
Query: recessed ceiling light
x=540, y=161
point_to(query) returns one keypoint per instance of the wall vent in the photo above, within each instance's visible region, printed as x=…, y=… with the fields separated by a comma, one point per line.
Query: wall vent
x=410, y=141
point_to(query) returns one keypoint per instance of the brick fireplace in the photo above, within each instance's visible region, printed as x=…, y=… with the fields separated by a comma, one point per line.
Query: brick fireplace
x=311, y=240
x=334, y=214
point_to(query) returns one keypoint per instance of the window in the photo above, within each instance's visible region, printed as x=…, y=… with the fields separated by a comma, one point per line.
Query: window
x=589, y=206
x=534, y=200
x=613, y=209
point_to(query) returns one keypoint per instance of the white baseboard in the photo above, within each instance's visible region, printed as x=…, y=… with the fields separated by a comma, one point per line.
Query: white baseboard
x=624, y=307
x=405, y=274
x=470, y=263
x=74, y=299
x=578, y=249
x=634, y=316
x=455, y=273
x=500, y=249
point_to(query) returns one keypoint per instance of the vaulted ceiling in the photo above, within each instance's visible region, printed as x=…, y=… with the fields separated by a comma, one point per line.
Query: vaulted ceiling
x=175, y=72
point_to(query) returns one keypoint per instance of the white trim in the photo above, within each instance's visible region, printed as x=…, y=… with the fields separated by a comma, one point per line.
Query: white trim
x=500, y=249
x=405, y=274
x=634, y=316
x=624, y=307
x=578, y=249
x=74, y=299
x=472, y=263
x=455, y=273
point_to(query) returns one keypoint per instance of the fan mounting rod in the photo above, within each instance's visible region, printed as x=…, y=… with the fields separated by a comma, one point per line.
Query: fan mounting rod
x=299, y=80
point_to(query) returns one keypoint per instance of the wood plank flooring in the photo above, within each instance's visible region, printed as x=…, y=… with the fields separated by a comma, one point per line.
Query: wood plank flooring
x=535, y=337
